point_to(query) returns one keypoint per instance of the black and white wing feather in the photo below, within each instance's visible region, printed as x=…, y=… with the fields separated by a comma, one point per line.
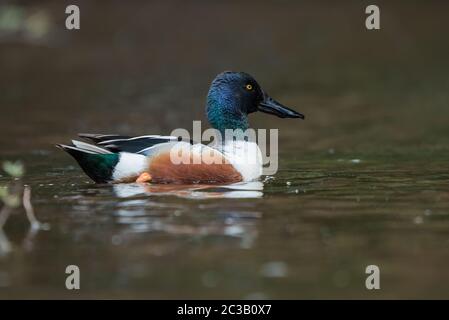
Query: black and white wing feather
x=118, y=143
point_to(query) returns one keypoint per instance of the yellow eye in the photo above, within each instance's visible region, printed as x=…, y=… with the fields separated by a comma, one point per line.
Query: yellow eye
x=249, y=87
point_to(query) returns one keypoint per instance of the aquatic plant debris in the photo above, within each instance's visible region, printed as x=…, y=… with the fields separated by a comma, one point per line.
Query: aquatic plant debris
x=12, y=195
x=14, y=169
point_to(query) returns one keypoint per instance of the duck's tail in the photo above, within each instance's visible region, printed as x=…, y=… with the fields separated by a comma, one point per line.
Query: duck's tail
x=104, y=166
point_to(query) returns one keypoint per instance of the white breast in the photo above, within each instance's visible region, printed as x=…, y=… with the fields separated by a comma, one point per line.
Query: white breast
x=246, y=158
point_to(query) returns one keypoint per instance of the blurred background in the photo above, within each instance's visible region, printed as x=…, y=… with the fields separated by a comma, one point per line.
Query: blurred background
x=363, y=179
x=150, y=63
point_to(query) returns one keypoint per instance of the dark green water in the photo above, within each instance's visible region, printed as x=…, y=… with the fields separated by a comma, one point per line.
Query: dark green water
x=363, y=180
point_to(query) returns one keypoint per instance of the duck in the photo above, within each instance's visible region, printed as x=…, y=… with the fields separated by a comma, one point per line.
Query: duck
x=232, y=97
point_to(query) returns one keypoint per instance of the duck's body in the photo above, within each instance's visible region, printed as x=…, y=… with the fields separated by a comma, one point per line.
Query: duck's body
x=126, y=159
x=153, y=158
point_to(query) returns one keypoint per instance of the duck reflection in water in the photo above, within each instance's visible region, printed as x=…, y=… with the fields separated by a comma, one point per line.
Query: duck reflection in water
x=241, y=190
x=238, y=221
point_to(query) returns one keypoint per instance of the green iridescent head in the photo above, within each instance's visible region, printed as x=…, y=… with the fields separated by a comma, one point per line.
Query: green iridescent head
x=234, y=95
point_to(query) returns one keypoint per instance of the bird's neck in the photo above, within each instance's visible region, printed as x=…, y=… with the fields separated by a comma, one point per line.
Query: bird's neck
x=223, y=113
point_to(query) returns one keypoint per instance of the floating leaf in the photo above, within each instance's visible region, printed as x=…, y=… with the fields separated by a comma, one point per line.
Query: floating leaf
x=14, y=169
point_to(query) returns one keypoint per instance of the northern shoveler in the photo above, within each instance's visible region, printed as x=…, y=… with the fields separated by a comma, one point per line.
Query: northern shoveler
x=110, y=158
